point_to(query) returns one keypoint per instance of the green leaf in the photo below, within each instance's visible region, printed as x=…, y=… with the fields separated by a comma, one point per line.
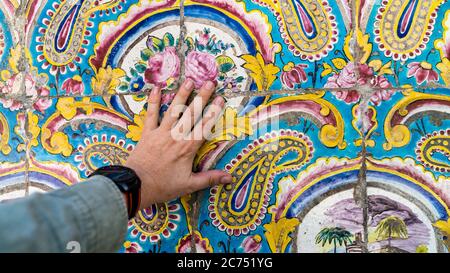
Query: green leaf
x=134, y=73
x=146, y=54
x=168, y=39
x=140, y=67
x=190, y=44
x=225, y=63
x=123, y=86
x=155, y=44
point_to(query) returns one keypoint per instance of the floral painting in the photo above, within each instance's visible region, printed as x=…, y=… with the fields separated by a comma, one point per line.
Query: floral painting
x=336, y=128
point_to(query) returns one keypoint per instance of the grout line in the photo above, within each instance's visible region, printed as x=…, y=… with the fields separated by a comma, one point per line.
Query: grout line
x=23, y=67
x=194, y=212
x=360, y=191
x=244, y=93
x=361, y=197
x=181, y=47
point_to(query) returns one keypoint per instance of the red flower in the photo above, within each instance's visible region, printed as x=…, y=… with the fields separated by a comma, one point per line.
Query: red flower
x=201, y=244
x=74, y=85
x=422, y=72
x=252, y=244
x=293, y=75
x=132, y=247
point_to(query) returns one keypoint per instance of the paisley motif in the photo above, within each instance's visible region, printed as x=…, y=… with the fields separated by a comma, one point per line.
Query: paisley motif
x=240, y=207
x=403, y=28
x=111, y=151
x=2, y=42
x=307, y=26
x=157, y=220
x=432, y=144
x=66, y=31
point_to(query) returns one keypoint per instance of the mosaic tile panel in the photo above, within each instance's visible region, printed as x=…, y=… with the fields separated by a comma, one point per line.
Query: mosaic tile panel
x=408, y=148
x=335, y=126
x=411, y=38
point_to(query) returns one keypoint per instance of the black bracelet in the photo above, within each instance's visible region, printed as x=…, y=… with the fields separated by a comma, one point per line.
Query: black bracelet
x=128, y=183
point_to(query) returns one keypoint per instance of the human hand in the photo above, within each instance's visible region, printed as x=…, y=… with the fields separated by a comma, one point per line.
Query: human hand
x=164, y=156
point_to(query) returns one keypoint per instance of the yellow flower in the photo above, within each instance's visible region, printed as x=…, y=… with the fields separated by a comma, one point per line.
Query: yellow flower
x=277, y=233
x=135, y=130
x=56, y=142
x=363, y=47
x=107, y=80
x=15, y=58
x=381, y=69
x=444, y=67
x=263, y=74
x=127, y=244
x=33, y=128
x=5, y=75
x=68, y=107
x=339, y=63
x=327, y=69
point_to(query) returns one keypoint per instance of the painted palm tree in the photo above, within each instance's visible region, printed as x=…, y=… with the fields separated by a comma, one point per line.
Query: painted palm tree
x=335, y=236
x=391, y=227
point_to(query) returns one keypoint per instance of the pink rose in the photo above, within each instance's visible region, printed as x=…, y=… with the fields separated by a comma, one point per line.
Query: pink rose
x=163, y=67
x=347, y=79
x=73, y=85
x=347, y=96
x=201, y=67
x=381, y=95
x=43, y=104
x=13, y=87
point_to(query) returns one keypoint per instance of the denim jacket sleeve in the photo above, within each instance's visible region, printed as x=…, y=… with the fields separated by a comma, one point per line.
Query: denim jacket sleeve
x=88, y=217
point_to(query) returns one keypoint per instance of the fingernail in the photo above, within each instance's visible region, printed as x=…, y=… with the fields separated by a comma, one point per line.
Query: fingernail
x=226, y=179
x=219, y=101
x=155, y=90
x=210, y=85
x=189, y=84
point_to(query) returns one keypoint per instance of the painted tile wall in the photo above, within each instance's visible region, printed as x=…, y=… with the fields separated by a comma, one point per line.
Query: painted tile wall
x=337, y=122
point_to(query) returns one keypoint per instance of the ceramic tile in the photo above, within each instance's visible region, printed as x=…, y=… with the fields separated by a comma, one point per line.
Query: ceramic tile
x=407, y=42
x=104, y=47
x=297, y=152
x=300, y=159
x=267, y=45
x=408, y=163
x=12, y=154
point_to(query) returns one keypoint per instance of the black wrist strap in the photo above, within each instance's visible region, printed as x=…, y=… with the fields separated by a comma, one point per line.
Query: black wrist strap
x=128, y=183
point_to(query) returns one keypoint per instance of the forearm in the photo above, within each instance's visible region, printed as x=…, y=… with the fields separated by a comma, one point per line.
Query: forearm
x=91, y=215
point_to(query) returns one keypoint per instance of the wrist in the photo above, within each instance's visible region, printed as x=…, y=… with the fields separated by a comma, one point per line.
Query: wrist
x=146, y=200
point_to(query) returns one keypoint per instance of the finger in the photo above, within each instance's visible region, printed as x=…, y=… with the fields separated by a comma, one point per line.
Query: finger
x=195, y=109
x=202, y=180
x=202, y=129
x=172, y=114
x=153, y=106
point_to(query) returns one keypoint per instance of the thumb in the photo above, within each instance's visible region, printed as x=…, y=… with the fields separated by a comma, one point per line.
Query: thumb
x=202, y=180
